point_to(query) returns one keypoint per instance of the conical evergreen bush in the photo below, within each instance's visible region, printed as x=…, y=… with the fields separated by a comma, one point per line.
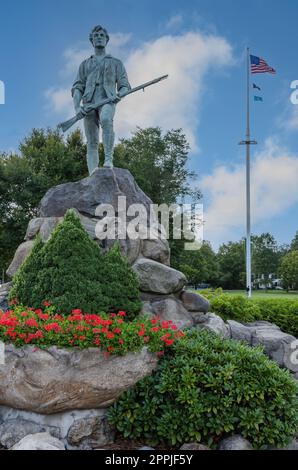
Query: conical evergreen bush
x=122, y=286
x=70, y=272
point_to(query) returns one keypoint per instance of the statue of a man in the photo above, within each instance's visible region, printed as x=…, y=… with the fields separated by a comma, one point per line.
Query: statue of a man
x=100, y=76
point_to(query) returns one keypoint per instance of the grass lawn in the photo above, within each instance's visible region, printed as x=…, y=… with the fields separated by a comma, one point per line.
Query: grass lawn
x=266, y=294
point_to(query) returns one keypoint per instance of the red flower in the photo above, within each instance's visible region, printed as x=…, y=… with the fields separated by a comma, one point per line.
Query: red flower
x=118, y=331
x=165, y=325
x=96, y=330
x=31, y=322
x=121, y=341
x=97, y=341
x=13, y=302
x=46, y=303
x=146, y=339
x=38, y=311
x=81, y=338
x=169, y=342
x=76, y=311
x=155, y=329
x=110, y=335
x=53, y=326
x=141, y=332
x=121, y=314
x=174, y=327
x=113, y=315
x=160, y=353
x=110, y=348
x=120, y=321
x=24, y=314
x=43, y=316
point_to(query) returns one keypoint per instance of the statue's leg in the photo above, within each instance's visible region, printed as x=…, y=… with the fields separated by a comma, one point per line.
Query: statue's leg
x=107, y=113
x=91, y=125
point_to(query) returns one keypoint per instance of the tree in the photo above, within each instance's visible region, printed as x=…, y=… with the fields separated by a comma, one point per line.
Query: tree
x=289, y=270
x=265, y=257
x=200, y=266
x=45, y=160
x=294, y=244
x=231, y=259
x=158, y=163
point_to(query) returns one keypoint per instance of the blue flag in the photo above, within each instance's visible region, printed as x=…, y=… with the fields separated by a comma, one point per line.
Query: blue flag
x=258, y=98
x=256, y=87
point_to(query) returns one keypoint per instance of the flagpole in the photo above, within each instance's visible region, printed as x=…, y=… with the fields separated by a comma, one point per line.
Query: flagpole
x=248, y=142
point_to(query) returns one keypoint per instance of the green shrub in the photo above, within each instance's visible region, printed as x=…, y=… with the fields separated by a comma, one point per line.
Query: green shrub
x=206, y=389
x=121, y=284
x=282, y=312
x=70, y=272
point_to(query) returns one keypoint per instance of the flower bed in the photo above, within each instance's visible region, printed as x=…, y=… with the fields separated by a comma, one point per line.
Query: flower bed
x=109, y=332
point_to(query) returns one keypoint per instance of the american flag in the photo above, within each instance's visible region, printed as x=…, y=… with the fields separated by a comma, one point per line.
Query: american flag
x=259, y=65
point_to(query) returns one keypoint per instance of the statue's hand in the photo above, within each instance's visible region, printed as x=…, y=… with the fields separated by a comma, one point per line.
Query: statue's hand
x=116, y=98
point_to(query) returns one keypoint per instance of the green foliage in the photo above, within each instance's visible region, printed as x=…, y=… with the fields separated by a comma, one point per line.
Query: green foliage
x=231, y=258
x=209, y=388
x=294, y=244
x=158, y=163
x=265, y=256
x=70, y=272
x=200, y=266
x=46, y=160
x=281, y=312
x=289, y=270
x=120, y=282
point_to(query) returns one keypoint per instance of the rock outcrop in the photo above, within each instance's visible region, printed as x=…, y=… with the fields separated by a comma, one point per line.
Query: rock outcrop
x=55, y=380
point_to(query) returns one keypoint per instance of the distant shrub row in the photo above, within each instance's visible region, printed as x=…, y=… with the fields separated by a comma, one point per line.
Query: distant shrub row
x=281, y=312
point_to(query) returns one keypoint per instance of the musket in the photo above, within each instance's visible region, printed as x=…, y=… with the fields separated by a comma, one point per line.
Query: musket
x=91, y=107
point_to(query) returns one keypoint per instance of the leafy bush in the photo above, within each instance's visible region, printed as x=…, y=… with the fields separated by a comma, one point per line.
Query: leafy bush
x=108, y=332
x=70, y=272
x=282, y=312
x=207, y=388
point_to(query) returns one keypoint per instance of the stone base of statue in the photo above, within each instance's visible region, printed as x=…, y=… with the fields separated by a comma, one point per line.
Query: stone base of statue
x=162, y=287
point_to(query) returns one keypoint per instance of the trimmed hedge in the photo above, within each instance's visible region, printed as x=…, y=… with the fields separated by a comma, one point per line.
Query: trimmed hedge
x=281, y=312
x=206, y=389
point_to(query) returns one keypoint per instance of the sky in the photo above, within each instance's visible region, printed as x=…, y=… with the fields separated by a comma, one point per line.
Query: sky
x=201, y=44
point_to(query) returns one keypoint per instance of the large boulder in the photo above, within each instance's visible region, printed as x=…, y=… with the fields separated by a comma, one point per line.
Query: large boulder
x=22, y=252
x=277, y=344
x=39, y=441
x=158, y=278
x=194, y=302
x=102, y=187
x=172, y=309
x=55, y=380
x=215, y=324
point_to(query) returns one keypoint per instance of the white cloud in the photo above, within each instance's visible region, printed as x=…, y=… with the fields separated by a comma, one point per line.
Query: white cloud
x=274, y=179
x=291, y=123
x=174, y=21
x=175, y=103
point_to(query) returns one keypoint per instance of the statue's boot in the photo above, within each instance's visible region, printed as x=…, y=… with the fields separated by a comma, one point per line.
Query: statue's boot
x=92, y=158
x=108, y=138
